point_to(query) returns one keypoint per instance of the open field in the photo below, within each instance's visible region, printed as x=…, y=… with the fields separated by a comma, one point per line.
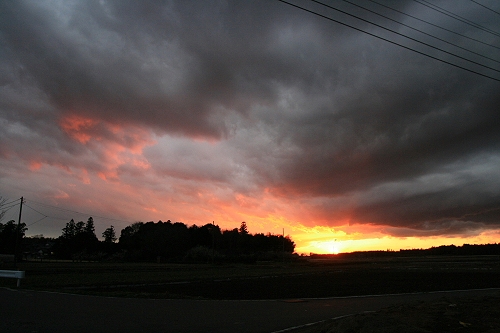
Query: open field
x=471, y=314
x=304, y=279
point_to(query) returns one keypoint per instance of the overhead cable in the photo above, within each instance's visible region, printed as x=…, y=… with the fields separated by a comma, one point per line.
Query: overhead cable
x=480, y=4
x=8, y=203
x=405, y=36
x=75, y=212
x=434, y=25
x=6, y=208
x=455, y=16
x=44, y=216
x=390, y=41
x=422, y=32
x=29, y=225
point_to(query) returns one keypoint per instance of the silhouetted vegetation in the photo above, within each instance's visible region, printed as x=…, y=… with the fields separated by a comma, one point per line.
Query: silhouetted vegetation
x=176, y=241
x=466, y=249
x=109, y=235
x=8, y=234
x=78, y=241
x=150, y=241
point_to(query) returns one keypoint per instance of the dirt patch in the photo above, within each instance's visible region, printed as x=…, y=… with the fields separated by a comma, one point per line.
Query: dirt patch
x=465, y=315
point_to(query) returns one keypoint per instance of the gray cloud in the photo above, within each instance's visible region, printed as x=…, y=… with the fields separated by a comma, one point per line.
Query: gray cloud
x=306, y=108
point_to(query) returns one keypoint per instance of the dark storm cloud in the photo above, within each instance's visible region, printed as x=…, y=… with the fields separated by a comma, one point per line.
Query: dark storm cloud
x=389, y=137
x=309, y=109
x=168, y=66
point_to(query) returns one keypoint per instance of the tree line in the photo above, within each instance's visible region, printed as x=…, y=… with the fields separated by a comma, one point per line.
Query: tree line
x=146, y=241
x=151, y=241
x=78, y=241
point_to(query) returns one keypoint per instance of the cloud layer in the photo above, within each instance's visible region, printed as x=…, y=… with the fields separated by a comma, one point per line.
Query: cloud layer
x=229, y=110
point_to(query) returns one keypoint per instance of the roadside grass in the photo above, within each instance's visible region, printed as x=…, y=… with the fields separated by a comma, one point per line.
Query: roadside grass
x=73, y=275
x=269, y=280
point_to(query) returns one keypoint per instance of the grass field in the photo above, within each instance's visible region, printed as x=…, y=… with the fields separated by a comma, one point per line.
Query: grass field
x=306, y=278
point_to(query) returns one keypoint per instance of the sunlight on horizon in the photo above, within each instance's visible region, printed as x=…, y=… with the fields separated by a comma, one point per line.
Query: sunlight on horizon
x=336, y=246
x=359, y=237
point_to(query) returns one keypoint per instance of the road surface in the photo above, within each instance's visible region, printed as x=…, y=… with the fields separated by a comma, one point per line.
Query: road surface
x=32, y=311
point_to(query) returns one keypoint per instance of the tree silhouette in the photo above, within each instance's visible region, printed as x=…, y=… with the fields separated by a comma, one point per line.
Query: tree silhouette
x=69, y=231
x=109, y=235
x=89, y=227
x=79, y=228
x=78, y=241
x=243, y=228
x=8, y=234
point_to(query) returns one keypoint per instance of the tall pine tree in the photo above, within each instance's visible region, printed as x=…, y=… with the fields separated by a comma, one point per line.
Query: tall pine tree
x=89, y=227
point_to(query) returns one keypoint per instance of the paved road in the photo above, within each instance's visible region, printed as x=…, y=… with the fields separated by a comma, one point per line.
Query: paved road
x=30, y=311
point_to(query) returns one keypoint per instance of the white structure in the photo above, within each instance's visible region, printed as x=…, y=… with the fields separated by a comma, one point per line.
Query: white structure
x=13, y=274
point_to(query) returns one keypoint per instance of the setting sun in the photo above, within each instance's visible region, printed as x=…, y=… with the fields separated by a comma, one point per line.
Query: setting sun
x=335, y=248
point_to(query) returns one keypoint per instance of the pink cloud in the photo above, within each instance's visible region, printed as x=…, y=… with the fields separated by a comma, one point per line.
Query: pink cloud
x=78, y=127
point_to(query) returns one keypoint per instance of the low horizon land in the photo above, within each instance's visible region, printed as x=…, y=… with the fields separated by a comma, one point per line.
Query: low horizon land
x=324, y=276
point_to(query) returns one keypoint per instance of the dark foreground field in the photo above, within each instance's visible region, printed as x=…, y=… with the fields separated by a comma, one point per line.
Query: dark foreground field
x=24, y=310
x=304, y=279
x=471, y=314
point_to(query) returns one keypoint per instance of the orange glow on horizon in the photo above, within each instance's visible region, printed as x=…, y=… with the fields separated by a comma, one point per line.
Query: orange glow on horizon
x=200, y=205
x=387, y=242
x=201, y=201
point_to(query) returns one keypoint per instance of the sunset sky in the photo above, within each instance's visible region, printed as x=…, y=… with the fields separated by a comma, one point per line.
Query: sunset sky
x=256, y=111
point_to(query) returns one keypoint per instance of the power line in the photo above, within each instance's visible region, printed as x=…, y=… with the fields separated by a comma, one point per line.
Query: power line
x=455, y=16
x=4, y=217
x=35, y=210
x=480, y=4
x=434, y=25
x=403, y=35
x=9, y=207
x=422, y=32
x=36, y=221
x=8, y=203
x=44, y=216
x=6, y=210
x=75, y=212
x=390, y=41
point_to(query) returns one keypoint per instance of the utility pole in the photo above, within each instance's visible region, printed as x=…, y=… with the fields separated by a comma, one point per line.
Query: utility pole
x=213, y=242
x=16, y=250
